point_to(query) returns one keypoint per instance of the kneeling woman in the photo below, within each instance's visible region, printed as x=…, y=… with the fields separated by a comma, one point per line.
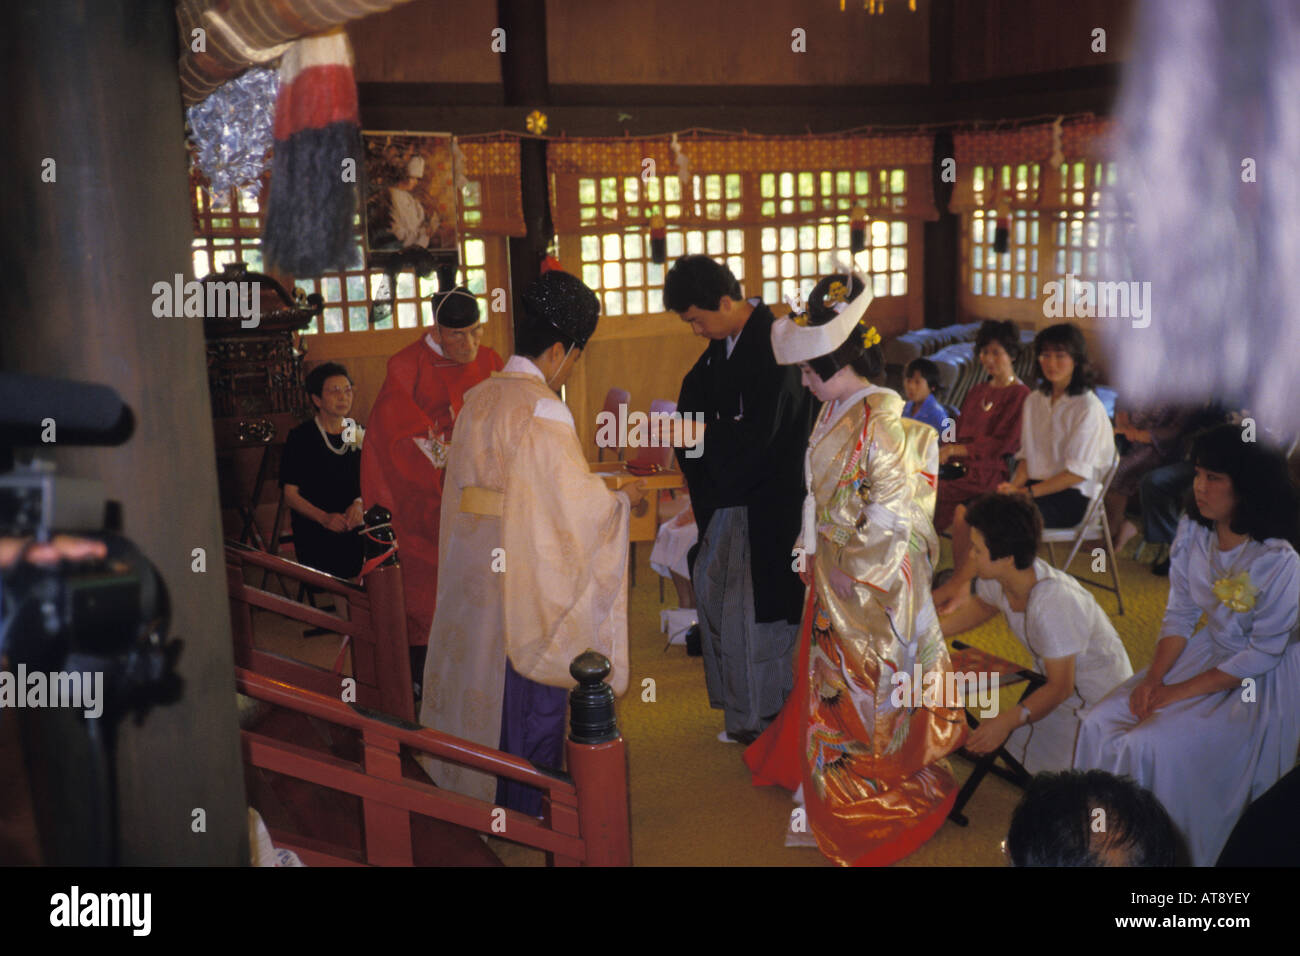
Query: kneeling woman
x=1073, y=641
x=871, y=772
x=1215, y=720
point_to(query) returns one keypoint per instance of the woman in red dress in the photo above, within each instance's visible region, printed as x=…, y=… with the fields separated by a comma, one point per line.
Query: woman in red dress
x=987, y=431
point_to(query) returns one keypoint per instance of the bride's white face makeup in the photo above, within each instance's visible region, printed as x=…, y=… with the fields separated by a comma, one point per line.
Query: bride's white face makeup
x=843, y=383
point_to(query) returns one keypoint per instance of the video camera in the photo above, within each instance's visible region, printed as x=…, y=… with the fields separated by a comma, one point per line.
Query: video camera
x=114, y=610
x=107, y=617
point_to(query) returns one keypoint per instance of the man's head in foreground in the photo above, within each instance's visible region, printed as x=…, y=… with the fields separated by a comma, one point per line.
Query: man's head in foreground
x=557, y=316
x=706, y=295
x=1090, y=818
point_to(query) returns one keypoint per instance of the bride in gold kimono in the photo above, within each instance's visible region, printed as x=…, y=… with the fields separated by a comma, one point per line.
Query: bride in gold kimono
x=871, y=774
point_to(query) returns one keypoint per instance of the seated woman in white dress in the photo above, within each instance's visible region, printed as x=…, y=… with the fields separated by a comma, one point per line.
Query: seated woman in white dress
x=1066, y=444
x=1059, y=622
x=1215, y=721
x=668, y=558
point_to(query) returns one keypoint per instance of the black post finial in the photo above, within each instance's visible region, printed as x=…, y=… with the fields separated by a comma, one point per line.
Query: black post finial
x=379, y=535
x=591, y=703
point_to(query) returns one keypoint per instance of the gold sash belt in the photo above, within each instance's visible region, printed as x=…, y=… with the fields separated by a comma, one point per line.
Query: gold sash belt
x=482, y=501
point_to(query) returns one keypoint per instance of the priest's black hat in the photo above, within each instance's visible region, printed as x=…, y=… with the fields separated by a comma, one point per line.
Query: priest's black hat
x=563, y=302
x=457, y=309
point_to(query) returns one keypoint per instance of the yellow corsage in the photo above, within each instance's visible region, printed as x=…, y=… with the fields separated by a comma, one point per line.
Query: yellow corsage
x=870, y=337
x=838, y=292
x=1236, y=593
x=800, y=320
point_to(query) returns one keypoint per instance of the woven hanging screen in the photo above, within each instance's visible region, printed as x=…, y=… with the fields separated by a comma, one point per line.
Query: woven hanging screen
x=737, y=179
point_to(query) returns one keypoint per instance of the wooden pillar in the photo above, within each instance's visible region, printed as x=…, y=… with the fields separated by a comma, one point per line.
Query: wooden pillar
x=524, y=77
x=942, y=243
x=942, y=249
x=92, y=100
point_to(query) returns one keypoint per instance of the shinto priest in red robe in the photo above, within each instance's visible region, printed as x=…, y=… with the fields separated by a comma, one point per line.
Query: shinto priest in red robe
x=409, y=433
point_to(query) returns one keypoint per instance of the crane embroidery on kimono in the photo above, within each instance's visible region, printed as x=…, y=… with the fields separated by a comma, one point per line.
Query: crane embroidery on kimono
x=829, y=752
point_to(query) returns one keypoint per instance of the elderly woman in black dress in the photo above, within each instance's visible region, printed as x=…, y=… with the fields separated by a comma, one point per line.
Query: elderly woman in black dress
x=320, y=472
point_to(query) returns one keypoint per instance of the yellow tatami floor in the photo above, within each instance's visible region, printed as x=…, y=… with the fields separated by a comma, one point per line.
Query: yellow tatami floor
x=691, y=798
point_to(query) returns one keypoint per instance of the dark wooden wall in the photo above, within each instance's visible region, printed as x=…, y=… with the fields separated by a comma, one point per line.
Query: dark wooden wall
x=1014, y=38
x=691, y=44
x=428, y=41
x=94, y=87
x=649, y=68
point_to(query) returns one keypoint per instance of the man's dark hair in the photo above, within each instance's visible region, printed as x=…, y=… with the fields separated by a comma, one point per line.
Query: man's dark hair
x=867, y=362
x=1004, y=333
x=1058, y=824
x=1266, y=498
x=531, y=340
x=699, y=281
x=315, y=382
x=555, y=307
x=1009, y=524
x=1066, y=337
x=927, y=370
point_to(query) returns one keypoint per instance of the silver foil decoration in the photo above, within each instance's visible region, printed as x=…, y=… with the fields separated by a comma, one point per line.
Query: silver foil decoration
x=1207, y=209
x=233, y=130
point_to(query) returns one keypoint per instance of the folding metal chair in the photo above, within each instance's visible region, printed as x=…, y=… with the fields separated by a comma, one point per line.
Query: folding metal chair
x=966, y=658
x=1093, y=526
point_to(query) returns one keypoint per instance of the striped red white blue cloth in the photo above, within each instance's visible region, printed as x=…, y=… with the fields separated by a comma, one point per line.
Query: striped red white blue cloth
x=316, y=164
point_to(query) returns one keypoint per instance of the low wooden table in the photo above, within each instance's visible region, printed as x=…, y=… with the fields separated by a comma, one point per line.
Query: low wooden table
x=642, y=527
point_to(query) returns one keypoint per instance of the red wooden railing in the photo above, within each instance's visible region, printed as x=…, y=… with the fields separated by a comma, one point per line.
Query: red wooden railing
x=585, y=820
x=375, y=627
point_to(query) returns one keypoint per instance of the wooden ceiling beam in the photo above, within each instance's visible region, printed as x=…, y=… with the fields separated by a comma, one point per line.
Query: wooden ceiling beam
x=646, y=111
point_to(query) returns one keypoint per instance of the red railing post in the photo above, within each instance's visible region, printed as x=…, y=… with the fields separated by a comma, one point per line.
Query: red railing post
x=597, y=758
x=388, y=619
x=387, y=828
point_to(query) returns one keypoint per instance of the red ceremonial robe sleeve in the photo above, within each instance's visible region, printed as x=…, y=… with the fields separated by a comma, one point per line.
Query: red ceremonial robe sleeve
x=421, y=393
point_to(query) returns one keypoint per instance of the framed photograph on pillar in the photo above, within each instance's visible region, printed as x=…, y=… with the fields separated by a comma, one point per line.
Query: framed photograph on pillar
x=412, y=207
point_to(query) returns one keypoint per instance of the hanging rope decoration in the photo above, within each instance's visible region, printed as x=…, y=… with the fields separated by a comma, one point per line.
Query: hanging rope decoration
x=1057, y=159
x=684, y=173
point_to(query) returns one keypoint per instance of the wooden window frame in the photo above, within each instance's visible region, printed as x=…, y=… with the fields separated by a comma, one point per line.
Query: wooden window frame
x=1077, y=199
x=221, y=226
x=747, y=207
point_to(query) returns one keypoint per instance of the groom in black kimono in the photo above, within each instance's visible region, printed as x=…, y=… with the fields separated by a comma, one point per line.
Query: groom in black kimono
x=747, y=489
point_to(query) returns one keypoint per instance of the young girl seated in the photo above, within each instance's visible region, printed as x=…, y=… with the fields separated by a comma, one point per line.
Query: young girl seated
x=1215, y=720
x=871, y=773
x=1073, y=642
x=920, y=383
x=1066, y=444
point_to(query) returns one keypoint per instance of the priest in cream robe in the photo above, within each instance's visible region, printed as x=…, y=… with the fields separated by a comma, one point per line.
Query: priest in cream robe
x=533, y=555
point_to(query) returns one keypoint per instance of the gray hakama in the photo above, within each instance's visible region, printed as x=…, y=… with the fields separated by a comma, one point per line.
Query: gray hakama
x=748, y=667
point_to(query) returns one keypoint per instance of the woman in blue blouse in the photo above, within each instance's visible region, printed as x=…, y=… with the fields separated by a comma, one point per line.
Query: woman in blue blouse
x=1215, y=720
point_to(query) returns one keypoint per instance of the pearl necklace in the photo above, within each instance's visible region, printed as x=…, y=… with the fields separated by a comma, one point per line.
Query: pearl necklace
x=325, y=438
